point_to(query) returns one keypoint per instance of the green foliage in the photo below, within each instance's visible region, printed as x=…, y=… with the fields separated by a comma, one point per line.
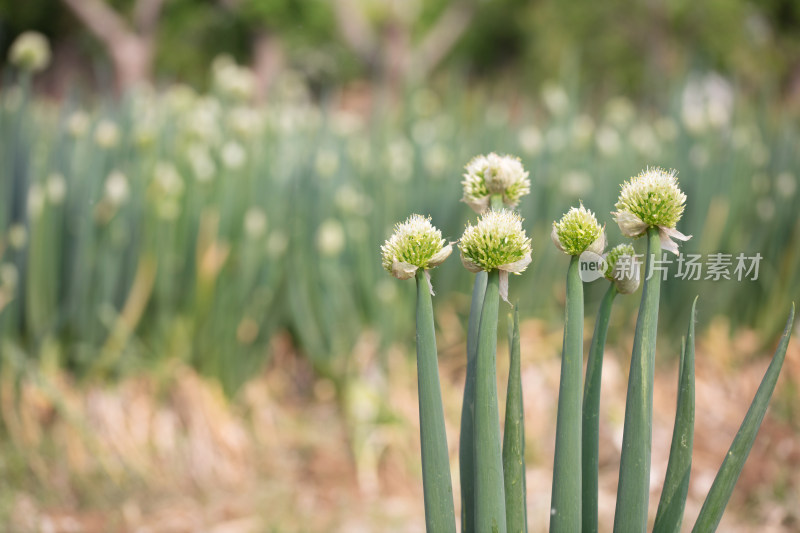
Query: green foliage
x=46, y=16
x=438, y=491
x=299, y=23
x=621, y=47
x=191, y=226
x=634, y=472
x=514, y=437
x=590, y=425
x=466, y=443
x=679, y=467
x=193, y=32
x=566, y=496
x=321, y=189
x=490, y=512
x=728, y=474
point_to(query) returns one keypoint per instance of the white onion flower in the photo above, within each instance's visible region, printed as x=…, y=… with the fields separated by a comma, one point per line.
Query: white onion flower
x=30, y=51
x=494, y=175
x=652, y=199
x=415, y=244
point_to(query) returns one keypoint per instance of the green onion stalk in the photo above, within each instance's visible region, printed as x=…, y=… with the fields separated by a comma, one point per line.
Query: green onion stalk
x=415, y=247
x=634, y=472
x=466, y=449
x=490, y=182
x=498, y=246
x=722, y=488
x=489, y=484
x=622, y=273
x=576, y=233
x=679, y=467
x=514, y=438
x=438, y=491
x=649, y=205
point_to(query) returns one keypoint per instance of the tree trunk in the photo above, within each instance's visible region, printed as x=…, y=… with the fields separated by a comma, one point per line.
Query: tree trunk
x=130, y=47
x=268, y=60
x=133, y=59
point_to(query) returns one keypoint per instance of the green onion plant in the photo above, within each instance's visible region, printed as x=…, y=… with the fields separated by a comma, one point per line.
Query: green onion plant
x=621, y=272
x=192, y=226
x=493, y=485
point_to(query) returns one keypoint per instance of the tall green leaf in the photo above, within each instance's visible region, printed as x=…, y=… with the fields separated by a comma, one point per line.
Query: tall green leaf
x=490, y=512
x=728, y=474
x=633, y=493
x=514, y=439
x=679, y=467
x=466, y=447
x=437, y=487
x=565, y=507
x=591, y=413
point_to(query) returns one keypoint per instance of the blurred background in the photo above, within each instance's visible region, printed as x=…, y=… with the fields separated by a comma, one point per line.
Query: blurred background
x=195, y=331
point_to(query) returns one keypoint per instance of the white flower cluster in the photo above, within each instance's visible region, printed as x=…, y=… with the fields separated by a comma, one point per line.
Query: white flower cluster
x=231, y=80
x=415, y=244
x=652, y=199
x=490, y=175
x=578, y=231
x=30, y=51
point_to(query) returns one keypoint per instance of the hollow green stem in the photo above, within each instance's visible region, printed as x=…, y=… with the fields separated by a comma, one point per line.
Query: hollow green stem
x=496, y=202
x=437, y=487
x=728, y=474
x=490, y=513
x=514, y=439
x=466, y=448
x=634, y=471
x=591, y=412
x=676, y=481
x=565, y=507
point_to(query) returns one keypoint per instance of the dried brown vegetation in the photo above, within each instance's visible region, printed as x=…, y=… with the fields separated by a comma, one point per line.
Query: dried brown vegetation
x=172, y=454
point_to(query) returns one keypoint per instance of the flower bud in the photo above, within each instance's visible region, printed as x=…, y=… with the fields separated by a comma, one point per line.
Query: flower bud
x=578, y=231
x=78, y=124
x=30, y=51
x=17, y=236
x=167, y=180
x=9, y=275
x=497, y=241
x=415, y=244
x=56, y=187
x=488, y=175
x=331, y=238
x=36, y=198
x=233, y=155
x=255, y=222
x=117, y=189
x=652, y=199
x=622, y=268
x=232, y=80
x=106, y=134
x=277, y=243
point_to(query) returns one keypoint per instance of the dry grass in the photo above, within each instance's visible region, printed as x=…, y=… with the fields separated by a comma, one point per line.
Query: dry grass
x=174, y=455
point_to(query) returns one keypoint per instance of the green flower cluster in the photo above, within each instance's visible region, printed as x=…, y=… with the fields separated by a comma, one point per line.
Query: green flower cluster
x=578, y=231
x=624, y=276
x=492, y=174
x=497, y=241
x=650, y=199
x=415, y=244
x=613, y=255
x=30, y=51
